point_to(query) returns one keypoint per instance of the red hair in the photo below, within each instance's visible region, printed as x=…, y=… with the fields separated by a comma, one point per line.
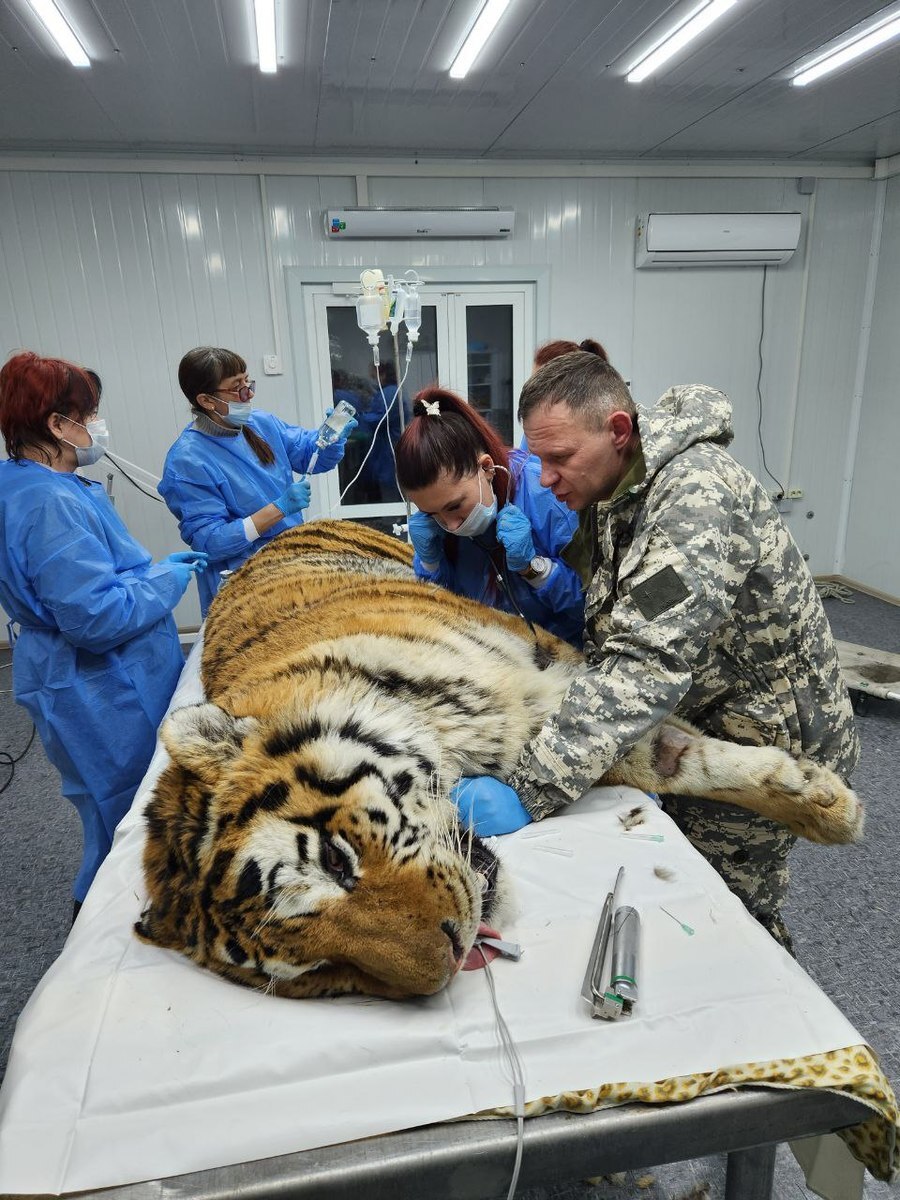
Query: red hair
x=551, y=350
x=452, y=442
x=31, y=390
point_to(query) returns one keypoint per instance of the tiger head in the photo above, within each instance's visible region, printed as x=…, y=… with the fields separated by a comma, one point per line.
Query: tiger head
x=309, y=855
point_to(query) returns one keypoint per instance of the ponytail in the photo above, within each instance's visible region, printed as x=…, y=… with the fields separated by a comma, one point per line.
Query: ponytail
x=447, y=434
x=551, y=350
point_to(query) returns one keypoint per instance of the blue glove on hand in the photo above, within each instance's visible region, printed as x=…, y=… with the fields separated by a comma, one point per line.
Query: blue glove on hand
x=514, y=534
x=185, y=563
x=294, y=498
x=489, y=806
x=427, y=538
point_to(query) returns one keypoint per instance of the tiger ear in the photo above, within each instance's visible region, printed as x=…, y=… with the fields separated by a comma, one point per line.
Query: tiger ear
x=202, y=738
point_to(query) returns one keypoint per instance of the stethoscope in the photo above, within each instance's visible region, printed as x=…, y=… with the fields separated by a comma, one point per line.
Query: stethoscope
x=501, y=571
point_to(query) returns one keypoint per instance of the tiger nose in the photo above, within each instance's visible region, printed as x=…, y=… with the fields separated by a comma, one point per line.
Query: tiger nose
x=452, y=932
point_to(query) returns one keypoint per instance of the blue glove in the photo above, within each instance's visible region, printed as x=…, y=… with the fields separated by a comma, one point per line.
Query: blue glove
x=184, y=564
x=294, y=498
x=427, y=538
x=514, y=534
x=489, y=806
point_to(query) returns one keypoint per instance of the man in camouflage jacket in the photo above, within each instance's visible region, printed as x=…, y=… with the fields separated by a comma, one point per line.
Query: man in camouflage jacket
x=698, y=604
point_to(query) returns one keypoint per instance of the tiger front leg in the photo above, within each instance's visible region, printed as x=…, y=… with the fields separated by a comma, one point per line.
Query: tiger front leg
x=810, y=800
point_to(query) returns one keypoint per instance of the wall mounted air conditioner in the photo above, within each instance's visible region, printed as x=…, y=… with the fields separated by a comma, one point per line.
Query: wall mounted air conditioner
x=342, y=223
x=716, y=239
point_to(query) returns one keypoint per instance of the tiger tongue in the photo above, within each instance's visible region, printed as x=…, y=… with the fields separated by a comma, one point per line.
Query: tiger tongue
x=475, y=959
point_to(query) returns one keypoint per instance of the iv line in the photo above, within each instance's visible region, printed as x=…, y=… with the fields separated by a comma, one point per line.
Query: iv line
x=508, y=1046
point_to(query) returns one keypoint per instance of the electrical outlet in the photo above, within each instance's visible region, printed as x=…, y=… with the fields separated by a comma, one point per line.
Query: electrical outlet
x=795, y=494
x=272, y=364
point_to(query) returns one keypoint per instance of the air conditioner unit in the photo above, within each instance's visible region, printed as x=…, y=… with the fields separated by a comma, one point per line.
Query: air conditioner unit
x=716, y=239
x=341, y=223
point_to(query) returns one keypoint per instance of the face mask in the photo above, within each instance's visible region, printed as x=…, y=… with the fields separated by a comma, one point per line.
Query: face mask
x=478, y=519
x=86, y=456
x=238, y=412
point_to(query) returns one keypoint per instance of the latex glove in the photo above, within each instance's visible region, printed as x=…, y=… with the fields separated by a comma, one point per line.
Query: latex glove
x=294, y=498
x=514, y=534
x=489, y=806
x=427, y=538
x=185, y=563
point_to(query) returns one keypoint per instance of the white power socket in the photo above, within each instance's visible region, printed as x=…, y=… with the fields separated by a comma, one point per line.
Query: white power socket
x=272, y=364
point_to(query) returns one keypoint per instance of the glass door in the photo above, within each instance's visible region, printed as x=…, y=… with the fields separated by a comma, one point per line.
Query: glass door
x=475, y=339
x=364, y=486
x=488, y=336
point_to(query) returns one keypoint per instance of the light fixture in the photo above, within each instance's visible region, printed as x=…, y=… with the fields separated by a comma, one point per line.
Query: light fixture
x=691, y=26
x=474, y=43
x=61, y=32
x=265, y=36
x=852, y=47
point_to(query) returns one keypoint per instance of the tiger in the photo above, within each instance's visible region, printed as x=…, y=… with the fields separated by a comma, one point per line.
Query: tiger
x=301, y=838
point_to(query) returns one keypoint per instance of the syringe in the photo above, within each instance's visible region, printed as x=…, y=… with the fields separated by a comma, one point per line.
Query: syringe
x=331, y=429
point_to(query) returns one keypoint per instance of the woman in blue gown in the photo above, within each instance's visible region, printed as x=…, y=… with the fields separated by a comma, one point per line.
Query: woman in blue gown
x=97, y=655
x=229, y=478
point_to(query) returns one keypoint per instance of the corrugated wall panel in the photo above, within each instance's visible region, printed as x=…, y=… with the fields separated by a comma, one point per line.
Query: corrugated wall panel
x=127, y=271
x=872, y=551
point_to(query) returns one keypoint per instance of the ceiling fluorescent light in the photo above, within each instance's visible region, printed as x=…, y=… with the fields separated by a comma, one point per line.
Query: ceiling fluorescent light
x=265, y=36
x=863, y=42
x=61, y=32
x=474, y=43
x=692, y=26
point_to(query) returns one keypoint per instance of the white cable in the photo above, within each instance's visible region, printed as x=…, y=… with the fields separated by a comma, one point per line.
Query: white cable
x=508, y=1046
x=155, y=480
x=387, y=409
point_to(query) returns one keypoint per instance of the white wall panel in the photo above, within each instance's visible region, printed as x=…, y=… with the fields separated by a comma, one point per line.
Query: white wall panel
x=125, y=272
x=872, y=551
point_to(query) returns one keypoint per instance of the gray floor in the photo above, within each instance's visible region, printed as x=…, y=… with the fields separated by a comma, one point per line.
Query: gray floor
x=842, y=909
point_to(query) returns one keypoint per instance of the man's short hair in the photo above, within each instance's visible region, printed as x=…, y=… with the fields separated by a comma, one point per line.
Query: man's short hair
x=584, y=382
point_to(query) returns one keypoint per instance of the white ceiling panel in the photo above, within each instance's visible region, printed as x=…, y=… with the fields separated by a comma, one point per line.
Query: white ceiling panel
x=370, y=77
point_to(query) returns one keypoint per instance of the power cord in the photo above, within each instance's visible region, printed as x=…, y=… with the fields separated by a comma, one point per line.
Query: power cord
x=762, y=330
x=134, y=482
x=7, y=759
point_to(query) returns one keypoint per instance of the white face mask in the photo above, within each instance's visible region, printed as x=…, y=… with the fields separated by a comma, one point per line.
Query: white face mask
x=86, y=456
x=478, y=519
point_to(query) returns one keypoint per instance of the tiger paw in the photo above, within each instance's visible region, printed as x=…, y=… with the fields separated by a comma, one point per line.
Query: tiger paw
x=821, y=808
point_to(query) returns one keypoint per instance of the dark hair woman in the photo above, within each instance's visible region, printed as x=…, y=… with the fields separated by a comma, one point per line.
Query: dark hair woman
x=229, y=477
x=482, y=510
x=97, y=656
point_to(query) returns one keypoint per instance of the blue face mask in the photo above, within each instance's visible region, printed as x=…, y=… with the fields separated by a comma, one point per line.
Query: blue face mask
x=238, y=412
x=478, y=519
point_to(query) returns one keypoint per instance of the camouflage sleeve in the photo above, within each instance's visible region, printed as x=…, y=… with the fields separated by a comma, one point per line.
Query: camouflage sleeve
x=677, y=583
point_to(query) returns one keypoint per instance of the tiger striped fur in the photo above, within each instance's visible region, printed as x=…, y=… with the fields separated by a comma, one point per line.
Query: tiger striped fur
x=301, y=838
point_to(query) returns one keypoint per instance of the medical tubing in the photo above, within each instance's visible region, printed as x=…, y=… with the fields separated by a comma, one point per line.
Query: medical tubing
x=508, y=1046
x=505, y=584
x=387, y=409
x=134, y=483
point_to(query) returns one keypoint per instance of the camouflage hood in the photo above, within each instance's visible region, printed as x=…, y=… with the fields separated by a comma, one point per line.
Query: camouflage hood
x=682, y=417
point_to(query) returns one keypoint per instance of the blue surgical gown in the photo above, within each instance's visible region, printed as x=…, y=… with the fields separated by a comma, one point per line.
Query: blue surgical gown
x=98, y=657
x=212, y=483
x=558, y=603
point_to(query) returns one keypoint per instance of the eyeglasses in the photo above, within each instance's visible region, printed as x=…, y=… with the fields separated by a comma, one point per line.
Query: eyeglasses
x=245, y=392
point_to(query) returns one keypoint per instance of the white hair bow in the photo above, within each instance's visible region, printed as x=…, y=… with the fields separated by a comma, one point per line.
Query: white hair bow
x=432, y=407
